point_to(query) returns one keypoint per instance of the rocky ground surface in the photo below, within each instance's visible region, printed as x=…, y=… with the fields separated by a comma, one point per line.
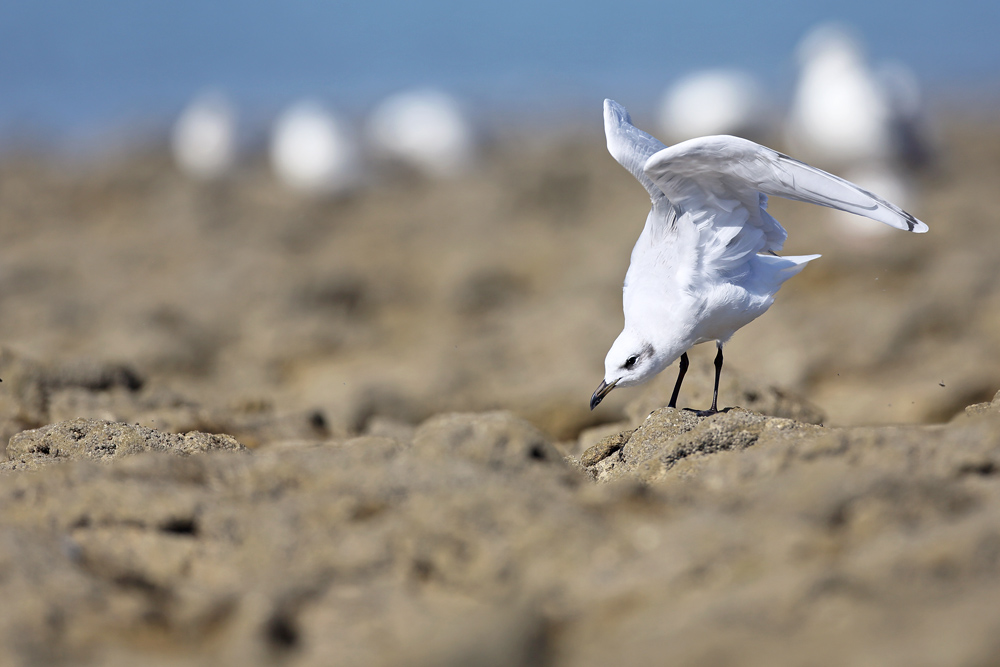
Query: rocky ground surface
x=243, y=427
x=736, y=539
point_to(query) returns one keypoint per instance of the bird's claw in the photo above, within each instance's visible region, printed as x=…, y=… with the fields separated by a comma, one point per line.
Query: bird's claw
x=704, y=413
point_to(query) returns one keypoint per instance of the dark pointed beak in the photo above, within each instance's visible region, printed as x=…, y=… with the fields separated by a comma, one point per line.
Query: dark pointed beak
x=603, y=390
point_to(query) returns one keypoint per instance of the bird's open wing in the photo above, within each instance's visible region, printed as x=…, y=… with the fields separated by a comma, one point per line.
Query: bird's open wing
x=630, y=146
x=697, y=173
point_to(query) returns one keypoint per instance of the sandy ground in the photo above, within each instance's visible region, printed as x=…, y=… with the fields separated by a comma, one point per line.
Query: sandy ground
x=350, y=515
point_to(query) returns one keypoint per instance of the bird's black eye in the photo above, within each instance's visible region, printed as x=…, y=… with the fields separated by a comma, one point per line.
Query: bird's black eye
x=630, y=362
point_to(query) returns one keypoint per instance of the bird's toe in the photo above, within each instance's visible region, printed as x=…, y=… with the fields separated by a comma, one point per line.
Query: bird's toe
x=705, y=413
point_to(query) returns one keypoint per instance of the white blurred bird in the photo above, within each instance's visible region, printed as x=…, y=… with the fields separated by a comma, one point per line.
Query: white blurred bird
x=204, y=137
x=425, y=129
x=705, y=264
x=717, y=101
x=314, y=152
x=843, y=112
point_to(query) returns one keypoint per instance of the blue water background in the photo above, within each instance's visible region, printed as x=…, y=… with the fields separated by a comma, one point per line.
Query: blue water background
x=79, y=66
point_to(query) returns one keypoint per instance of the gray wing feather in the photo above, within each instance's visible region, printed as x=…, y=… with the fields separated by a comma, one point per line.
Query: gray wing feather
x=727, y=167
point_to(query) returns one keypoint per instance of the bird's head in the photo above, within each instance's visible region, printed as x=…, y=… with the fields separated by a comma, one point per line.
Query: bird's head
x=631, y=360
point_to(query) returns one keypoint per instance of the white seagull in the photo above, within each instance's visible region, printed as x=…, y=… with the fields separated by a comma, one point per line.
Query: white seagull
x=705, y=263
x=846, y=113
x=715, y=101
x=204, y=137
x=313, y=151
x=426, y=129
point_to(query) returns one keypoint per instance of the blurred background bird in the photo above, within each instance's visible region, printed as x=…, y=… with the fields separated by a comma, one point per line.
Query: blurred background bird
x=716, y=101
x=314, y=151
x=866, y=122
x=425, y=129
x=204, y=137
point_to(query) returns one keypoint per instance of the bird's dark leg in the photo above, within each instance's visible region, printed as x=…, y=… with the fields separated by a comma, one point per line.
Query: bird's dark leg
x=680, y=378
x=718, y=374
x=715, y=396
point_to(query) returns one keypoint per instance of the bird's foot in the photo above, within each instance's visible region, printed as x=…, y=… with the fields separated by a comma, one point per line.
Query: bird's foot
x=705, y=413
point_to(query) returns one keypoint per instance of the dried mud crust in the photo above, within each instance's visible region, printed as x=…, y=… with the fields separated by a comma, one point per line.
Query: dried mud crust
x=668, y=436
x=470, y=540
x=104, y=441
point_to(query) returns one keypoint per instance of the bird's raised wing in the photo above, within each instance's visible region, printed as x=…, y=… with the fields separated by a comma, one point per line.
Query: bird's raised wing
x=630, y=146
x=712, y=170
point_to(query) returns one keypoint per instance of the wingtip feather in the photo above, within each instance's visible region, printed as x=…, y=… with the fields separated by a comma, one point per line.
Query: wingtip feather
x=615, y=115
x=912, y=224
